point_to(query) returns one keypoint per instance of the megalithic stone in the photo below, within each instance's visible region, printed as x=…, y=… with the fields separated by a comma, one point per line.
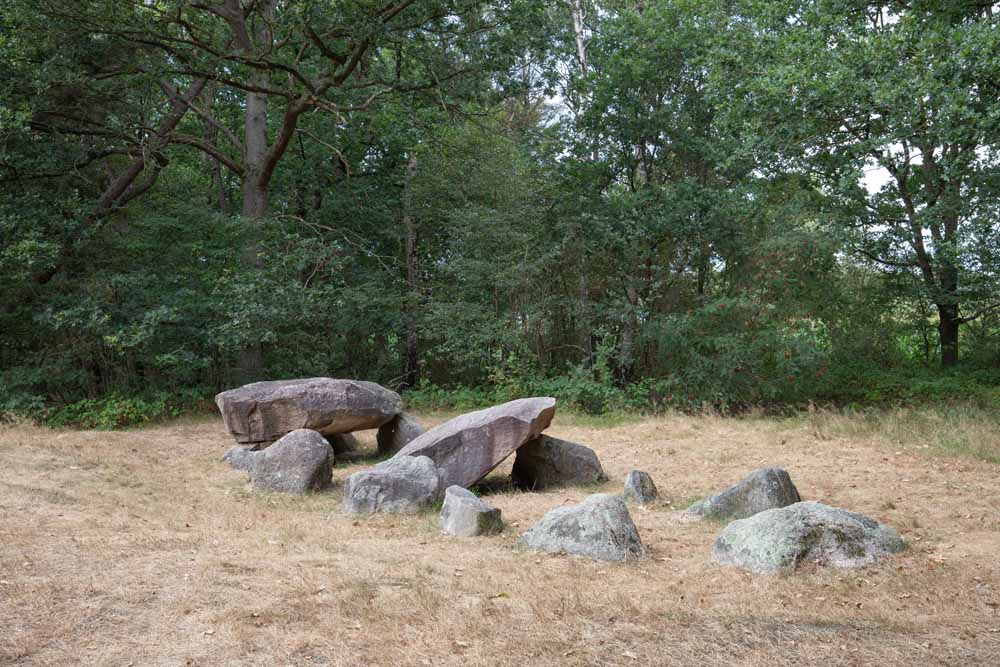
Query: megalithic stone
x=260, y=413
x=468, y=447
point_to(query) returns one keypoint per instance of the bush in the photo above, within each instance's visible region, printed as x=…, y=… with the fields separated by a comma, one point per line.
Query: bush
x=429, y=397
x=116, y=411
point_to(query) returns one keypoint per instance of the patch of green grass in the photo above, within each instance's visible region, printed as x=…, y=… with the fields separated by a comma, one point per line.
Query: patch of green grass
x=962, y=444
x=967, y=430
x=605, y=420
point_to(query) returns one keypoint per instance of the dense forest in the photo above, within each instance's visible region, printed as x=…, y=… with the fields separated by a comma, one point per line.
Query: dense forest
x=627, y=204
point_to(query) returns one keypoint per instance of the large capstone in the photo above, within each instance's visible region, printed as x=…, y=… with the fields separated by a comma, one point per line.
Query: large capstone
x=546, y=461
x=639, y=487
x=466, y=515
x=763, y=489
x=600, y=528
x=260, y=413
x=781, y=540
x=398, y=433
x=468, y=447
x=407, y=484
x=300, y=462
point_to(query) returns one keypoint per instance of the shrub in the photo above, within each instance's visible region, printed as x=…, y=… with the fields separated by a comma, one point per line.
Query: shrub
x=118, y=411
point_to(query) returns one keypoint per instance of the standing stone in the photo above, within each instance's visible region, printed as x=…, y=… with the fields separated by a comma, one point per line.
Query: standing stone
x=300, y=462
x=398, y=433
x=600, y=528
x=782, y=539
x=546, y=461
x=262, y=412
x=241, y=458
x=639, y=487
x=465, y=515
x=407, y=484
x=763, y=489
x=468, y=447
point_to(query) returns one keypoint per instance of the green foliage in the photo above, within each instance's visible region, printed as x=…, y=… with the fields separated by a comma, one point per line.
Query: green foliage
x=683, y=223
x=853, y=388
x=115, y=411
x=430, y=398
x=860, y=385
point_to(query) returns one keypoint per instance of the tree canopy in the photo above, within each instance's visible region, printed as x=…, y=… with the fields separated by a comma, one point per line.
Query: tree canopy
x=635, y=203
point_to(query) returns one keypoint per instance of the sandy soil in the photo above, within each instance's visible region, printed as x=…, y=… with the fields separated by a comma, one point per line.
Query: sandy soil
x=142, y=548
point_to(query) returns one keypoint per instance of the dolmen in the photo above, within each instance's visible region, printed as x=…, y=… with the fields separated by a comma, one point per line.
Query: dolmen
x=290, y=432
x=260, y=413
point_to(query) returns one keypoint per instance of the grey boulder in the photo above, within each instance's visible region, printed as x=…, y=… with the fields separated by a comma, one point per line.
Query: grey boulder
x=763, y=489
x=639, y=487
x=780, y=540
x=402, y=485
x=300, y=462
x=546, y=461
x=262, y=412
x=241, y=458
x=398, y=433
x=465, y=515
x=466, y=448
x=600, y=528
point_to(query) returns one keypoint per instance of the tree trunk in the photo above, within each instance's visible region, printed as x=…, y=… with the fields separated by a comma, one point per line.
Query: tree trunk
x=948, y=317
x=250, y=365
x=411, y=374
x=583, y=299
x=703, y=267
x=948, y=329
x=576, y=11
x=626, y=358
x=585, y=330
x=217, y=194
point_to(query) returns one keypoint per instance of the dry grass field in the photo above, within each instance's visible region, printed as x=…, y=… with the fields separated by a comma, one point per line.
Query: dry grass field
x=143, y=548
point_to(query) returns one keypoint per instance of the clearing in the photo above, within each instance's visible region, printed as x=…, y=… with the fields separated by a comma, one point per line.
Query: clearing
x=142, y=548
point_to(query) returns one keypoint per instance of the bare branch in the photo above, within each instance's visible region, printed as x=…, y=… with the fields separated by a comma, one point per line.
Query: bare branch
x=211, y=120
x=209, y=149
x=979, y=313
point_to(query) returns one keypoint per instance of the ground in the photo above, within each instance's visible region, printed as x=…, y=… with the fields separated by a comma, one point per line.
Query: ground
x=142, y=548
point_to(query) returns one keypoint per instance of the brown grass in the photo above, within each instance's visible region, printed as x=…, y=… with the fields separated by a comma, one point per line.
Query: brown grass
x=142, y=548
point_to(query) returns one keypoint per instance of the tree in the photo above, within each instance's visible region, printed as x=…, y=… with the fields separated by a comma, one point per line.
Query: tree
x=907, y=89
x=279, y=62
